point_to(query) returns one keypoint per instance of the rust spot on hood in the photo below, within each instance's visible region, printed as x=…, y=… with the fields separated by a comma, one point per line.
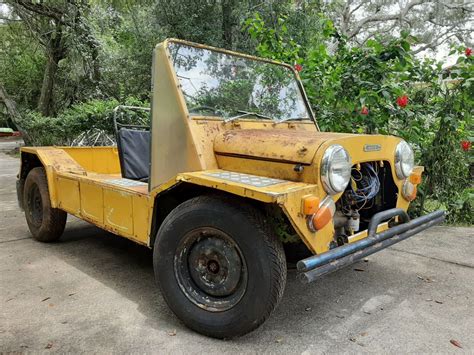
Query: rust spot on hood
x=273, y=144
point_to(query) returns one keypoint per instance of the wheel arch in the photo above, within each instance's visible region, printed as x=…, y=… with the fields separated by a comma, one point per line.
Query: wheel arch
x=28, y=161
x=169, y=199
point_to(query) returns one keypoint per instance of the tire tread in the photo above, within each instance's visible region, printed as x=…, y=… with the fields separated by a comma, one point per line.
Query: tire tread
x=273, y=245
x=55, y=221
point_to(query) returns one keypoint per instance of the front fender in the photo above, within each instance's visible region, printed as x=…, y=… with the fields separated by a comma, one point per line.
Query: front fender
x=287, y=194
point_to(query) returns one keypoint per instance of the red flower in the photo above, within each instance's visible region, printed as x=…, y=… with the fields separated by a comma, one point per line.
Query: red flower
x=468, y=52
x=465, y=145
x=298, y=67
x=402, y=101
x=364, y=111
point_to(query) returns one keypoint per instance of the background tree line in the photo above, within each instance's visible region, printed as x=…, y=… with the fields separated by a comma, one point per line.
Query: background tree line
x=64, y=65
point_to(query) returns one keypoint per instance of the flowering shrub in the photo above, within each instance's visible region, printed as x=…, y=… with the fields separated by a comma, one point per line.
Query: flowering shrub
x=402, y=101
x=465, y=145
x=298, y=67
x=427, y=105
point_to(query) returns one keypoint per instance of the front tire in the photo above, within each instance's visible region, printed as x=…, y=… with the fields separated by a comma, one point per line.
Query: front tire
x=46, y=224
x=219, y=267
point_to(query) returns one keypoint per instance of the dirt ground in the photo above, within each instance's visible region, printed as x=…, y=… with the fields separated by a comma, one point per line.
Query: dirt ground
x=94, y=292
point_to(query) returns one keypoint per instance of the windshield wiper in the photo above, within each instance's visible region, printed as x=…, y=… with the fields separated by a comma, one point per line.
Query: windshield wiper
x=292, y=118
x=246, y=114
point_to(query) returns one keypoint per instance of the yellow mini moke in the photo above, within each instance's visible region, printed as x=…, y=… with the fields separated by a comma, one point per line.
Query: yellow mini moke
x=232, y=177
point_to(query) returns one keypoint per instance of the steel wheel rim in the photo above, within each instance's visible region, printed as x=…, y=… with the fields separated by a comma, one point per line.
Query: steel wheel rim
x=35, y=205
x=210, y=269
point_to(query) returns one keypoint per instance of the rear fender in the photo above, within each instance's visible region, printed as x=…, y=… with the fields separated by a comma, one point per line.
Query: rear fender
x=53, y=160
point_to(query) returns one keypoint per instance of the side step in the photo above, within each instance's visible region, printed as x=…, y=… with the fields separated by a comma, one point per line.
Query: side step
x=317, y=266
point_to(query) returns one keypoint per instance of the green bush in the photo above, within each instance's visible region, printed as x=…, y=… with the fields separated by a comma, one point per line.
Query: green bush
x=63, y=129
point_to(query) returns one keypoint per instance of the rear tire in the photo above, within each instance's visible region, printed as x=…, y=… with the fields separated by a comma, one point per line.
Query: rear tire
x=46, y=224
x=219, y=267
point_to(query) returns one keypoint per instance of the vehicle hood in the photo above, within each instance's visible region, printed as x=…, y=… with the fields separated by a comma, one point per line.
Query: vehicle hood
x=292, y=146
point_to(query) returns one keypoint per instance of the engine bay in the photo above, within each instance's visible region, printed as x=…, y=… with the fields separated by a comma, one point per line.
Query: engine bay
x=371, y=189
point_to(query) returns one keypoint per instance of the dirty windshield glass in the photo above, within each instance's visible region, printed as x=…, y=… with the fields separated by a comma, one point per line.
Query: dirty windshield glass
x=219, y=84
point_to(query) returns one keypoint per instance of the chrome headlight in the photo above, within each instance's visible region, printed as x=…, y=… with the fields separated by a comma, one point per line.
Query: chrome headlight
x=404, y=160
x=335, y=169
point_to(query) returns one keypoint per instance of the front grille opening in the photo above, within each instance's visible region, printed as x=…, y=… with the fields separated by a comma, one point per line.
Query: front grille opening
x=371, y=190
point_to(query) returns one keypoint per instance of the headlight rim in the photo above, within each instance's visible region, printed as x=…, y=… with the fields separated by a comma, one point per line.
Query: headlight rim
x=399, y=160
x=325, y=168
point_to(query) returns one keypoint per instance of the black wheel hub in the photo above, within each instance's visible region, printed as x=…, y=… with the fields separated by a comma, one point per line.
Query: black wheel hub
x=210, y=269
x=35, y=205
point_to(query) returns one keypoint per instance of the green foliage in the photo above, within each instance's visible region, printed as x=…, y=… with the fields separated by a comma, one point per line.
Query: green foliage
x=21, y=66
x=61, y=130
x=355, y=89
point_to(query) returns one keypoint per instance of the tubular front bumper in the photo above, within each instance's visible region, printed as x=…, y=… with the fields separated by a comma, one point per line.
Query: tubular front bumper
x=316, y=266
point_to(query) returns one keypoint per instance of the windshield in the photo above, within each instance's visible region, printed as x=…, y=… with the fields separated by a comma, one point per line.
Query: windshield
x=230, y=86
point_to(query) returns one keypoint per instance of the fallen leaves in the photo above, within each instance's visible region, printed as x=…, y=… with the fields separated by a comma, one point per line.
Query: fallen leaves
x=354, y=339
x=425, y=279
x=436, y=301
x=456, y=343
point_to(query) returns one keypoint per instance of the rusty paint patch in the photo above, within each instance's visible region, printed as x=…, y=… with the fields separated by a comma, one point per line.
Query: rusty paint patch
x=295, y=146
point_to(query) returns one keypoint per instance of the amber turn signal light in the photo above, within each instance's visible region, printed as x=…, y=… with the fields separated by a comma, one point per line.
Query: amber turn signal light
x=321, y=218
x=310, y=204
x=415, y=179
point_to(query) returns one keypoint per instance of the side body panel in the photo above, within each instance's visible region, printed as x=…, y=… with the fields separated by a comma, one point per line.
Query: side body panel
x=99, y=199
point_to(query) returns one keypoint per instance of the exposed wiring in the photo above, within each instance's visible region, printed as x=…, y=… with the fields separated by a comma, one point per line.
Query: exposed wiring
x=365, y=186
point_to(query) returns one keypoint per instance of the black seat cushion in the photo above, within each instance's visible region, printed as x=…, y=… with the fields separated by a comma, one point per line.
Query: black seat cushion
x=134, y=153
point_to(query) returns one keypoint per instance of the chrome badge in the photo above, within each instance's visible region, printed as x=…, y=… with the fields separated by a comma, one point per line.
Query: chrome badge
x=372, y=147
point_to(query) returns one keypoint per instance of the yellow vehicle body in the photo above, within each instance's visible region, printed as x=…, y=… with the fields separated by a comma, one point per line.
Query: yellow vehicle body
x=84, y=182
x=273, y=163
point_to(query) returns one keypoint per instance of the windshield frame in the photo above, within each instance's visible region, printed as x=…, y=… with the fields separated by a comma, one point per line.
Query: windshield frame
x=242, y=55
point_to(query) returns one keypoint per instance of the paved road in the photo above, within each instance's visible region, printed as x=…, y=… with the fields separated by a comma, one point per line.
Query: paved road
x=93, y=292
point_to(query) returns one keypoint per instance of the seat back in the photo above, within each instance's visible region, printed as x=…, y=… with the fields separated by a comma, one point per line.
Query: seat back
x=134, y=153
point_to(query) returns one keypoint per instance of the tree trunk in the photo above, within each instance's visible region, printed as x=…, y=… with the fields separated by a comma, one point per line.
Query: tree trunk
x=227, y=23
x=56, y=50
x=45, y=104
x=10, y=104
